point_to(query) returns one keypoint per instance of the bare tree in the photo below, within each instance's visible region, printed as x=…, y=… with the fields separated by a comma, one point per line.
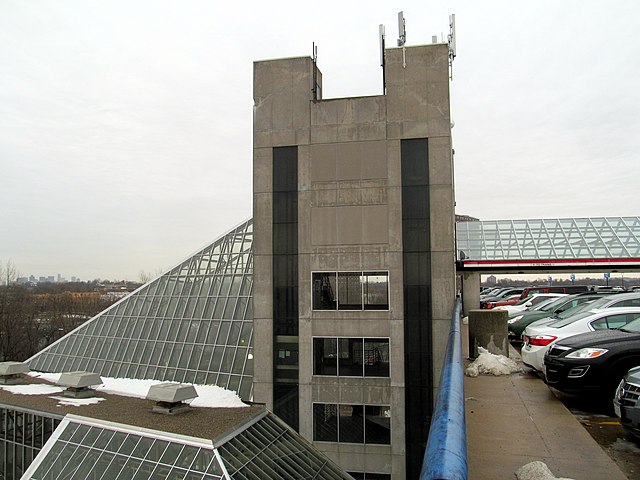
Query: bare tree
x=8, y=273
x=146, y=277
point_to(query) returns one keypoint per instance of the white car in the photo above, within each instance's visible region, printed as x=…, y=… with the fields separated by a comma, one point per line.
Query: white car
x=538, y=338
x=532, y=301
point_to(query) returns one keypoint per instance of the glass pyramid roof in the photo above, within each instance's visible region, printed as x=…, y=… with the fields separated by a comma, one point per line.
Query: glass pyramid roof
x=83, y=448
x=193, y=324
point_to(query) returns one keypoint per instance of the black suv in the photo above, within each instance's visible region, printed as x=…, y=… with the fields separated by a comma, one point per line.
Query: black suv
x=594, y=362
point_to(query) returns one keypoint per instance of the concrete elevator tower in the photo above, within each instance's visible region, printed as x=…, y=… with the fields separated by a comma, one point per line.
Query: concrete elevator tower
x=354, y=257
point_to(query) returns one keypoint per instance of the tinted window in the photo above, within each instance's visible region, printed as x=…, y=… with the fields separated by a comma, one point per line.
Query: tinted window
x=614, y=321
x=632, y=302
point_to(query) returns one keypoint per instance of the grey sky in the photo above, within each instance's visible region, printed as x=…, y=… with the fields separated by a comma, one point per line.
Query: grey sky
x=125, y=126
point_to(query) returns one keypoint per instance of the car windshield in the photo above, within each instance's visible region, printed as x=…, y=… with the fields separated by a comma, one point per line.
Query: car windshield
x=632, y=327
x=602, y=302
x=525, y=300
x=557, y=302
x=570, y=312
x=563, y=322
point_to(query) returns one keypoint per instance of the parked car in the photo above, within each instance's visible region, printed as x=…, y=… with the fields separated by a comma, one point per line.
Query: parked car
x=527, y=303
x=500, y=296
x=556, y=310
x=568, y=289
x=493, y=292
x=539, y=338
x=626, y=403
x=510, y=300
x=593, y=363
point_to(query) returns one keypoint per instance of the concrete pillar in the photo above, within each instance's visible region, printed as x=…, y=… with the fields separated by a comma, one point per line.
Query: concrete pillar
x=488, y=329
x=470, y=292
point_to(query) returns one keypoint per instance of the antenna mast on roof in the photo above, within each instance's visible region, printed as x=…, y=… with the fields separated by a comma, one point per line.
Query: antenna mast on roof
x=402, y=37
x=382, y=62
x=314, y=88
x=452, y=42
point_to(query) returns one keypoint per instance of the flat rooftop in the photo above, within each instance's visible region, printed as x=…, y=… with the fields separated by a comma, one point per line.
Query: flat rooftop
x=200, y=422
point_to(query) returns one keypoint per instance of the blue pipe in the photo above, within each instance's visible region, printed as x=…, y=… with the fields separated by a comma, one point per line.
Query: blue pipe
x=445, y=457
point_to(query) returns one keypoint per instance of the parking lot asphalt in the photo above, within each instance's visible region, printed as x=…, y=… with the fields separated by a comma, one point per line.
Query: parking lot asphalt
x=515, y=419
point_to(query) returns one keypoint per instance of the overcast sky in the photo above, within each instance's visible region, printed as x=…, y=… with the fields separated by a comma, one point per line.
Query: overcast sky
x=125, y=126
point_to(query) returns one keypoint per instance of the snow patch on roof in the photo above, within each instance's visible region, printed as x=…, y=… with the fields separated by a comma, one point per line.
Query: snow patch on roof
x=38, y=389
x=77, y=402
x=209, y=396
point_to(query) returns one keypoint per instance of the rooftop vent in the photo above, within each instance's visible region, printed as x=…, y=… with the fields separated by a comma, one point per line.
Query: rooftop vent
x=10, y=372
x=79, y=384
x=171, y=398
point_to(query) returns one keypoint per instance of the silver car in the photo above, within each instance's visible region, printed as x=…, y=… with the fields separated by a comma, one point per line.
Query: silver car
x=627, y=401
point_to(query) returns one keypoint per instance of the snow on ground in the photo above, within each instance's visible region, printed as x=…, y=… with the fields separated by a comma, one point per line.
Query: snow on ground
x=209, y=396
x=536, y=471
x=491, y=364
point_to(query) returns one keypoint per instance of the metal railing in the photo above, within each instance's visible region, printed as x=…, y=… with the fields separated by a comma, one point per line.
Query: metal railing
x=445, y=457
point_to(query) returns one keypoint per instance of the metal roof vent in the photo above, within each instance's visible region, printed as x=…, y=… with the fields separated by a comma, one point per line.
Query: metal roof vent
x=10, y=372
x=171, y=398
x=79, y=384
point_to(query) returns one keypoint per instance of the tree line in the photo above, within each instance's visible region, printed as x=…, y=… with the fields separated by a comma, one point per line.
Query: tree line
x=32, y=317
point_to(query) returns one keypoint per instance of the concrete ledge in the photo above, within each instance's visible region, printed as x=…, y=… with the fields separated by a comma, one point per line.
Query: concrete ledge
x=488, y=329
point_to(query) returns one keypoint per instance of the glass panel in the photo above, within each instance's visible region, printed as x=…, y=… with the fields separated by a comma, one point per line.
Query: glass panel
x=171, y=453
x=349, y=291
x=325, y=352
x=351, y=424
x=142, y=448
x=376, y=291
x=350, y=357
x=325, y=422
x=376, y=357
x=378, y=425
x=324, y=291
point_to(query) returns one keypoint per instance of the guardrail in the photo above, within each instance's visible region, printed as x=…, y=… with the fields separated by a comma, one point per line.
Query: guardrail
x=445, y=457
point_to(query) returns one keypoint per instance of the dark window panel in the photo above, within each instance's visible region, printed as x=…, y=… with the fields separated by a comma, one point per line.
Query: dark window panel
x=325, y=422
x=324, y=291
x=377, y=425
x=325, y=351
x=350, y=357
x=376, y=357
x=285, y=169
x=351, y=424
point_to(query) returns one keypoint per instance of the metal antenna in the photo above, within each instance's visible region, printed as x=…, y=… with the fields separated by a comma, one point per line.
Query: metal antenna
x=314, y=88
x=452, y=42
x=402, y=37
x=382, y=58
x=402, y=32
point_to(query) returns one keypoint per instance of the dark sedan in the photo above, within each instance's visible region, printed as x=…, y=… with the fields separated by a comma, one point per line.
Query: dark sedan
x=595, y=362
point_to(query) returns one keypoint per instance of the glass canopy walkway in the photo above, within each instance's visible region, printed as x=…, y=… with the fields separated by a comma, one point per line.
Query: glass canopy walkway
x=599, y=242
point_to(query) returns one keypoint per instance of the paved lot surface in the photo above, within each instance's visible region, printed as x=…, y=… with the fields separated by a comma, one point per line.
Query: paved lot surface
x=617, y=442
x=515, y=419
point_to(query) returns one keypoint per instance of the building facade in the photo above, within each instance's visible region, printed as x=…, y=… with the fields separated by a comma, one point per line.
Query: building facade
x=354, y=256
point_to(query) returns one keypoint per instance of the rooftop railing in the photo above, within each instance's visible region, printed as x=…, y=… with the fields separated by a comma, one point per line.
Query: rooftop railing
x=445, y=457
